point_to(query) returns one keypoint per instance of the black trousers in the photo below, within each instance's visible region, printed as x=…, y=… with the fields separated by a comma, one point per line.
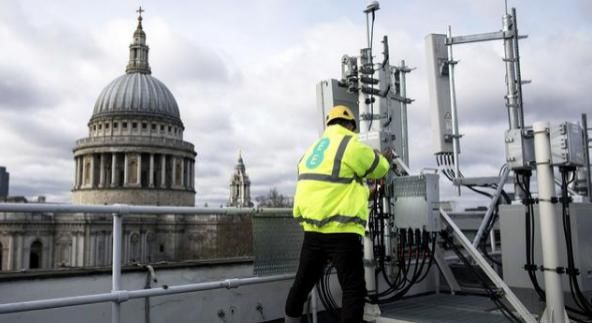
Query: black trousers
x=345, y=251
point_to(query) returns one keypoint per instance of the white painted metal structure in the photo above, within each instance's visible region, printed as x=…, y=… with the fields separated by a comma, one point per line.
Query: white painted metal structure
x=555, y=311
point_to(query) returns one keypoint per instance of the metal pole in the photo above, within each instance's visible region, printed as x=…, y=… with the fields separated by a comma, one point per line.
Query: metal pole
x=314, y=306
x=116, y=266
x=517, y=67
x=491, y=207
x=454, y=112
x=587, y=156
x=511, y=92
x=404, y=131
x=555, y=310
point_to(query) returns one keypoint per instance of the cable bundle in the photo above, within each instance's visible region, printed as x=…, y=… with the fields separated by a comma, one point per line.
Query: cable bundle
x=523, y=180
x=415, y=248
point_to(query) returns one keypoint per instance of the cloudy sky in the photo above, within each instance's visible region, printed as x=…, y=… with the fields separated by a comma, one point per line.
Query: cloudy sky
x=244, y=76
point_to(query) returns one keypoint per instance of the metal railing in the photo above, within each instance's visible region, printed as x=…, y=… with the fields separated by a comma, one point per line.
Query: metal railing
x=117, y=295
x=588, y=147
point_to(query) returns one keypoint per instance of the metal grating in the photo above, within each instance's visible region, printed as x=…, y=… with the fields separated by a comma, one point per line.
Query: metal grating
x=443, y=308
x=277, y=240
x=409, y=186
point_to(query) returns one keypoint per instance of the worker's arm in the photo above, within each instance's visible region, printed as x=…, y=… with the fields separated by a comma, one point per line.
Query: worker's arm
x=365, y=161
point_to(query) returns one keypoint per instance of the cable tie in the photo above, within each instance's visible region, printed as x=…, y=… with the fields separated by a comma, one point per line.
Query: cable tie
x=531, y=267
x=529, y=201
x=553, y=200
x=572, y=271
x=559, y=270
x=567, y=200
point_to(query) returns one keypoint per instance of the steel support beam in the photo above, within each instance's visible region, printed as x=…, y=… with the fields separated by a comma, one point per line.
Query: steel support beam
x=490, y=272
x=492, y=205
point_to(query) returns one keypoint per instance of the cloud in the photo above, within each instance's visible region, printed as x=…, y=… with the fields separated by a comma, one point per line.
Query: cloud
x=20, y=91
x=249, y=84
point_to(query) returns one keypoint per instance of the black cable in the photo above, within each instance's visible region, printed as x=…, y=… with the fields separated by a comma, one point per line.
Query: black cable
x=577, y=294
x=523, y=181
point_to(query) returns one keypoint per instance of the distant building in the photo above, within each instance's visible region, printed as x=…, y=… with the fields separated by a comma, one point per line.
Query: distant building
x=240, y=186
x=4, y=182
x=134, y=154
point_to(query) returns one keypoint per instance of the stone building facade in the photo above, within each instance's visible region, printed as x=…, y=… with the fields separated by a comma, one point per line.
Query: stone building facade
x=45, y=240
x=134, y=154
x=240, y=186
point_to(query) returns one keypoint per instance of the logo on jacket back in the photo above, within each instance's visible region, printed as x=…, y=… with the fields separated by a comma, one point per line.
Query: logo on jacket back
x=318, y=154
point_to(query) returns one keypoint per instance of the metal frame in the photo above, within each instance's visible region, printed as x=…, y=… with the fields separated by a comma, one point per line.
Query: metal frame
x=514, y=104
x=490, y=272
x=491, y=206
x=118, y=296
x=587, y=142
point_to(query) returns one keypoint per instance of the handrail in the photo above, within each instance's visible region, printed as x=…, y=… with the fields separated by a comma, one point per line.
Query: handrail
x=118, y=211
x=124, y=209
x=120, y=296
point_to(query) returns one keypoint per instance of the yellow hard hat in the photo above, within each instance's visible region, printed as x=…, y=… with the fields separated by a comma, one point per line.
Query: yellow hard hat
x=340, y=112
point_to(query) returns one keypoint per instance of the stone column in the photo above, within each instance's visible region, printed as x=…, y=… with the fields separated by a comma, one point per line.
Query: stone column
x=19, y=252
x=139, y=170
x=113, y=169
x=102, y=171
x=83, y=179
x=92, y=170
x=163, y=171
x=173, y=171
x=151, y=175
x=75, y=174
x=192, y=174
x=80, y=171
x=10, y=257
x=183, y=175
x=125, y=170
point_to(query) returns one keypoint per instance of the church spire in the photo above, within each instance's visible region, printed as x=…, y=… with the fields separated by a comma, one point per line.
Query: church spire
x=138, y=60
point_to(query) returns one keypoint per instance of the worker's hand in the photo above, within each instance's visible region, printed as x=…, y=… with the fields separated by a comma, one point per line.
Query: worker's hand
x=389, y=154
x=375, y=185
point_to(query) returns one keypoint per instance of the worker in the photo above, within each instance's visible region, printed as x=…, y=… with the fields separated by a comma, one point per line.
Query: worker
x=331, y=204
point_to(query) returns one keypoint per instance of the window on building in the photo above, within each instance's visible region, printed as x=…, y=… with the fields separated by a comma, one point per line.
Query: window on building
x=35, y=254
x=115, y=125
x=134, y=125
x=170, y=128
x=106, y=126
x=95, y=128
x=161, y=247
x=154, y=126
x=100, y=126
x=124, y=125
x=144, y=125
x=161, y=127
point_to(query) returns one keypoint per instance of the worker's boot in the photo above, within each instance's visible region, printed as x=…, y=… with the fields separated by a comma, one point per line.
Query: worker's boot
x=288, y=319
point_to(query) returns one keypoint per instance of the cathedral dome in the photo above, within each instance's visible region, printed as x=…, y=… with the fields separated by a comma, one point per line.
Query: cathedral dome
x=136, y=94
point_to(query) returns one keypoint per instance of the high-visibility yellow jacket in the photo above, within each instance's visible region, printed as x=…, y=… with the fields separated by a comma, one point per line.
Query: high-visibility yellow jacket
x=331, y=194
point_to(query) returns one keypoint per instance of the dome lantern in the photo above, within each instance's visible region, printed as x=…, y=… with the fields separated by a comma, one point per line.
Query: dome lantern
x=138, y=58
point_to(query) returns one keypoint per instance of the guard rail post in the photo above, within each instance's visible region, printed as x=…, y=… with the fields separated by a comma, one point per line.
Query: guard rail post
x=116, y=266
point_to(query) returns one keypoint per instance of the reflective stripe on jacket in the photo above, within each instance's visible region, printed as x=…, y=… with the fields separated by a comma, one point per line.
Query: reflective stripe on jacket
x=331, y=196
